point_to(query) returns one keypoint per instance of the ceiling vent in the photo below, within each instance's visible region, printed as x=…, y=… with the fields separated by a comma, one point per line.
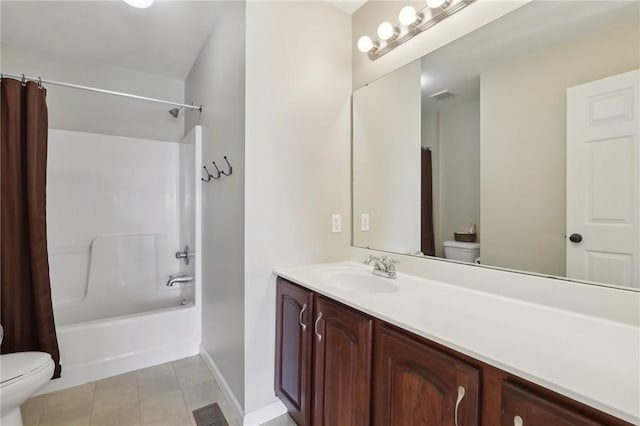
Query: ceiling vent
x=441, y=95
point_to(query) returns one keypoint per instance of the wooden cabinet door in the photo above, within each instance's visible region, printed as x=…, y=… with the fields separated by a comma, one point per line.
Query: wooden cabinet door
x=342, y=365
x=294, y=331
x=521, y=407
x=416, y=385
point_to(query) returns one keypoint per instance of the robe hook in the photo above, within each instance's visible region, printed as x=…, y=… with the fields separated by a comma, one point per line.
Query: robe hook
x=228, y=165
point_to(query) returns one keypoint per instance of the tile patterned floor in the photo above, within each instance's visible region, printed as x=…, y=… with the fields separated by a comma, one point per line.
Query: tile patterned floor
x=163, y=395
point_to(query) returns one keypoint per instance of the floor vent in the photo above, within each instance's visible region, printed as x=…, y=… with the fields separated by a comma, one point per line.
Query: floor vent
x=210, y=415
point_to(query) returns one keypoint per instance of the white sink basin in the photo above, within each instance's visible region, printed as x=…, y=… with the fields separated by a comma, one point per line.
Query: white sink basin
x=355, y=280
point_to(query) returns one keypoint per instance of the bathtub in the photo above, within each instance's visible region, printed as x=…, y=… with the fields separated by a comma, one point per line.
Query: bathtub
x=111, y=252
x=97, y=349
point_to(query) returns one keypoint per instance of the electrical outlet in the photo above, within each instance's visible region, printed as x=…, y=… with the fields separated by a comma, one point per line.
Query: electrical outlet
x=336, y=223
x=364, y=222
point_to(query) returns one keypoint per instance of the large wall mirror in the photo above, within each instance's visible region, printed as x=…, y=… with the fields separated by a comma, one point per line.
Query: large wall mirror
x=515, y=146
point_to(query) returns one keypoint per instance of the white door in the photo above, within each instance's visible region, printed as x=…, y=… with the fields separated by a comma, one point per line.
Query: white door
x=603, y=162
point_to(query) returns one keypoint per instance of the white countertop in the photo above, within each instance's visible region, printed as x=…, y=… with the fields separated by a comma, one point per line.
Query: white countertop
x=591, y=359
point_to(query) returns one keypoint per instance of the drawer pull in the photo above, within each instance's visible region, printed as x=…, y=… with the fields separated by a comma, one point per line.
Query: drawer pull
x=316, y=327
x=461, y=393
x=517, y=421
x=303, y=325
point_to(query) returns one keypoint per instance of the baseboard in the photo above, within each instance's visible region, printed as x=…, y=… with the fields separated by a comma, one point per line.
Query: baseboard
x=224, y=386
x=264, y=414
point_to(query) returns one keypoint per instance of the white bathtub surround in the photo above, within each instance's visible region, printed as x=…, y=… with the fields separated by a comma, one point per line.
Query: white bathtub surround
x=541, y=334
x=119, y=209
x=112, y=216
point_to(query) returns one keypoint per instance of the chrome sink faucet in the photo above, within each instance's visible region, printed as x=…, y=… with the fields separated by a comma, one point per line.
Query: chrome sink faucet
x=382, y=266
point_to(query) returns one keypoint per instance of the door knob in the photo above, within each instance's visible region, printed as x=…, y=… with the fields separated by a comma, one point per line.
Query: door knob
x=575, y=238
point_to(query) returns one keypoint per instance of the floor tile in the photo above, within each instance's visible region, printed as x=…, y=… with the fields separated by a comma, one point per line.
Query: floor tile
x=202, y=394
x=76, y=421
x=192, y=373
x=155, y=371
x=108, y=398
x=127, y=379
x=158, y=384
x=161, y=405
x=33, y=409
x=72, y=394
x=178, y=419
x=125, y=416
x=73, y=412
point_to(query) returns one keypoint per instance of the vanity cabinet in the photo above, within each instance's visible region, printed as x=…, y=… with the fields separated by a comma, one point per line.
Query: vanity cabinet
x=336, y=366
x=293, y=354
x=417, y=385
x=523, y=407
x=342, y=365
x=323, y=359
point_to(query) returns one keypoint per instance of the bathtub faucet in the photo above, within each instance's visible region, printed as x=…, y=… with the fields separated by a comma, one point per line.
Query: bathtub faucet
x=179, y=279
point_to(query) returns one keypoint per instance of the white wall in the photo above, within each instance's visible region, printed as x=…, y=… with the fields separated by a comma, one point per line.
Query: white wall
x=371, y=14
x=106, y=195
x=83, y=111
x=459, y=169
x=386, y=161
x=298, y=87
x=217, y=82
x=520, y=156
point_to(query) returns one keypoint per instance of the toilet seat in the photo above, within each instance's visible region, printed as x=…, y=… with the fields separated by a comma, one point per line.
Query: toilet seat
x=15, y=367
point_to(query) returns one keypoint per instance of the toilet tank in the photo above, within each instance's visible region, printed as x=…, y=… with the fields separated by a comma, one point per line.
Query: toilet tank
x=464, y=252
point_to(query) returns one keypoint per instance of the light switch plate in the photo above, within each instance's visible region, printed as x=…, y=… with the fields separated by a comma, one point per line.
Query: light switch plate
x=336, y=223
x=364, y=222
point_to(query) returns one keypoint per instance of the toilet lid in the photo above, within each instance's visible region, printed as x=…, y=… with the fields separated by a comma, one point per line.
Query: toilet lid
x=20, y=363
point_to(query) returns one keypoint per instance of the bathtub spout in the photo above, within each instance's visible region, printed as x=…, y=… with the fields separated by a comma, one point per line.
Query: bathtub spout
x=178, y=279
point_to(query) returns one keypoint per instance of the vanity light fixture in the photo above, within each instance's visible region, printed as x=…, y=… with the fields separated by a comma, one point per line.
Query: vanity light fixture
x=438, y=4
x=408, y=16
x=139, y=4
x=386, y=31
x=412, y=23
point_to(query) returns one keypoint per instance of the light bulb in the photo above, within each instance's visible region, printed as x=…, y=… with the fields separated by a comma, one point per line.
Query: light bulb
x=407, y=16
x=365, y=44
x=140, y=4
x=435, y=4
x=385, y=31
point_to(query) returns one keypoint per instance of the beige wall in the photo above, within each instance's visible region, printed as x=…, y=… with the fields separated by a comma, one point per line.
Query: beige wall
x=298, y=90
x=371, y=14
x=523, y=131
x=459, y=181
x=79, y=110
x=216, y=81
x=386, y=161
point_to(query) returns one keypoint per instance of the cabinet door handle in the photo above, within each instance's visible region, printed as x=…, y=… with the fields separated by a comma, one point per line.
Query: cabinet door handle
x=517, y=421
x=461, y=393
x=303, y=325
x=316, y=327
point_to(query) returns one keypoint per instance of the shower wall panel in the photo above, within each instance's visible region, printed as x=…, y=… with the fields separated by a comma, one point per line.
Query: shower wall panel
x=113, y=219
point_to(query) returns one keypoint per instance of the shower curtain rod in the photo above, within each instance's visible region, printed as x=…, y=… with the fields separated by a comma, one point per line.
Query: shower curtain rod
x=93, y=89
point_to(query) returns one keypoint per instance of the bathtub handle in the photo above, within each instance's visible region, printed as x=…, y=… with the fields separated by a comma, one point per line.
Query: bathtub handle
x=303, y=325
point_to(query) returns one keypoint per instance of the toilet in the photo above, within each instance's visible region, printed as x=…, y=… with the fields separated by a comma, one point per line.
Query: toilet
x=464, y=252
x=21, y=375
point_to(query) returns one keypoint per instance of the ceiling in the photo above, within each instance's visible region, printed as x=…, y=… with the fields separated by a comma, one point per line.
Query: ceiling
x=164, y=39
x=348, y=6
x=533, y=28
